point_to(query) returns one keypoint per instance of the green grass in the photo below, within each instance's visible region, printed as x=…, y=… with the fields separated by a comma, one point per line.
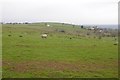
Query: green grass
x=96, y=58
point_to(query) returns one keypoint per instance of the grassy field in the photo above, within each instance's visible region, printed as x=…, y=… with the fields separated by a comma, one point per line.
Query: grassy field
x=58, y=56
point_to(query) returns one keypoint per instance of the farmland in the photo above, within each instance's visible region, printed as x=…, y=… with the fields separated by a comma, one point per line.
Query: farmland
x=67, y=52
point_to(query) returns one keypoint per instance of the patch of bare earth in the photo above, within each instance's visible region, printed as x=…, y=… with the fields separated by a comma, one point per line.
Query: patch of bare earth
x=28, y=66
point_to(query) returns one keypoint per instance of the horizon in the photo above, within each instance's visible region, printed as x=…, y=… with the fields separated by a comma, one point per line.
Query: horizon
x=109, y=26
x=56, y=22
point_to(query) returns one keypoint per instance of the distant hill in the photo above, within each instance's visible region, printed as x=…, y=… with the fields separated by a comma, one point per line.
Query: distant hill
x=106, y=26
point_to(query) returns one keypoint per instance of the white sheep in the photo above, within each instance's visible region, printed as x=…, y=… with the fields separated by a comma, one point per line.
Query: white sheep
x=44, y=35
x=48, y=25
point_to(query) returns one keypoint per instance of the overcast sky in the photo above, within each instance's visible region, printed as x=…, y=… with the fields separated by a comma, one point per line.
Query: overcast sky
x=70, y=11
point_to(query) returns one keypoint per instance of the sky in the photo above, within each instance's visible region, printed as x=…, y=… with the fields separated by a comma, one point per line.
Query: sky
x=68, y=11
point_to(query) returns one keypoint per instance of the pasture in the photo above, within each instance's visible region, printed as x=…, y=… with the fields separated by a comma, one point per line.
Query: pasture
x=67, y=52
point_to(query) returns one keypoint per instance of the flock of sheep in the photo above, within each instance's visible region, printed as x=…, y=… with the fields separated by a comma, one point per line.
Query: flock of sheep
x=95, y=29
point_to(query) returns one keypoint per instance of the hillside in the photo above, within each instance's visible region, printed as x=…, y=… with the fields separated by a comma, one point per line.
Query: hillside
x=68, y=51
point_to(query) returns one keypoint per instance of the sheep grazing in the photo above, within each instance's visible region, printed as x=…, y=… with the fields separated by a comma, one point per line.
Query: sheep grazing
x=92, y=28
x=48, y=25
x=44, y=35
x=100, y=31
